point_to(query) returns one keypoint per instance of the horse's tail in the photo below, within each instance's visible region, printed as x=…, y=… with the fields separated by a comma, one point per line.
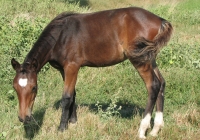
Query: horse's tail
x=147, y=50
x=163, y=35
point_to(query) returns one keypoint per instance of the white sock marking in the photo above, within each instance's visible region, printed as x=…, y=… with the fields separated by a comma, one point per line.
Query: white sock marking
x=159, y=118
x=158, y=123
x=23, y=82
x=145, y=123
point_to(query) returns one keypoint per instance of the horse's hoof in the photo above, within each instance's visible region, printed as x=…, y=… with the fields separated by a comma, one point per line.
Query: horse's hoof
x=72, y=120
x=62, y=128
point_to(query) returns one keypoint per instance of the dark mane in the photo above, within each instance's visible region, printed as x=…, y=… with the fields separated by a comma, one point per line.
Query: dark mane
x=47, y=38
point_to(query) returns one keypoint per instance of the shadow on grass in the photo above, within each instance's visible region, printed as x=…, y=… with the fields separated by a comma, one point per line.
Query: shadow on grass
x=32, y=128
x=127, y=110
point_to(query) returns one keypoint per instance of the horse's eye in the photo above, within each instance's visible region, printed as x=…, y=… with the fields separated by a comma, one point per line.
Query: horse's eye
x=34, y=89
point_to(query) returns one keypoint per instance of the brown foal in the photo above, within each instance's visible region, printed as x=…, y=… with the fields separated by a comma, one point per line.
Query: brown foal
x=99, y=39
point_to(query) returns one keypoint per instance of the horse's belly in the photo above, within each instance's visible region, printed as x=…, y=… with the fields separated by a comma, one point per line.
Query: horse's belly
x=103, y=58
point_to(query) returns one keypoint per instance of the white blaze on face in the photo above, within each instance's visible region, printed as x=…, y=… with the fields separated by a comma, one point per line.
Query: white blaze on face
x=23, y=82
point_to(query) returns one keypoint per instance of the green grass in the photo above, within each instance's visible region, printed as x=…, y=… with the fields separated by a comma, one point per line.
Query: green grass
x=22, y=22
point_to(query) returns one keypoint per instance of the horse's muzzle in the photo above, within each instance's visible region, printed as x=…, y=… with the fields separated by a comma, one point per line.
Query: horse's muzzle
x=26, y=120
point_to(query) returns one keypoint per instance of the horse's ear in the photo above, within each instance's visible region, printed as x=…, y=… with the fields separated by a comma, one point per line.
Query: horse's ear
x=15, y=64
x=34, y=64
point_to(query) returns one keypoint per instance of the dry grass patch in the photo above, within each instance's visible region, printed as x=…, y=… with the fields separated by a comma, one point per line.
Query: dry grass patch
x=89, y=126
x=189, y=117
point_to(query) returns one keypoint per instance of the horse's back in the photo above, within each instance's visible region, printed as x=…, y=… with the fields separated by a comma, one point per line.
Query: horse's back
x=104, y=38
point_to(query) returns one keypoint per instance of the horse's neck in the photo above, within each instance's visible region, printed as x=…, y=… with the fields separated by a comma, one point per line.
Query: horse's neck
x=41, y=52
x=43, y=47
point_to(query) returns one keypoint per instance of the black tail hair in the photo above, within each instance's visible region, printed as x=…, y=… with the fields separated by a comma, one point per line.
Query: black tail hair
x=147, y=50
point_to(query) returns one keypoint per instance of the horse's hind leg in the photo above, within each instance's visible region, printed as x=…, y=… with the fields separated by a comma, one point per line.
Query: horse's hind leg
x=158, y=121
x=68, y=97
x=152, y=83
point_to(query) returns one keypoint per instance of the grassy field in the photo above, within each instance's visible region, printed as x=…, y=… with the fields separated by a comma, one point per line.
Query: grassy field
x=110, y=100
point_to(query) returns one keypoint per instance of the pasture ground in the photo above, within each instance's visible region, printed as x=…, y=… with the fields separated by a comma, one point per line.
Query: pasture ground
x=110, y=100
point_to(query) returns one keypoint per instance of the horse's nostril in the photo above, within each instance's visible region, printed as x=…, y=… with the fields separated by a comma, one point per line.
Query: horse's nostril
x=27, y=119
x=20, y=119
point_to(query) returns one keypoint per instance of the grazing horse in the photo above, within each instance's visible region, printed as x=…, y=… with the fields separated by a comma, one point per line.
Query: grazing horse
x=99, y=39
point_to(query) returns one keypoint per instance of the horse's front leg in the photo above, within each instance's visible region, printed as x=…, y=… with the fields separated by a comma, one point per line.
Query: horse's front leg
x=72, y=110
x=68, y=97
x=152, y=83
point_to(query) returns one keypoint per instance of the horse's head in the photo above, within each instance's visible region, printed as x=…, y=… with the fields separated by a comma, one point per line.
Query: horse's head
x=25, y=84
